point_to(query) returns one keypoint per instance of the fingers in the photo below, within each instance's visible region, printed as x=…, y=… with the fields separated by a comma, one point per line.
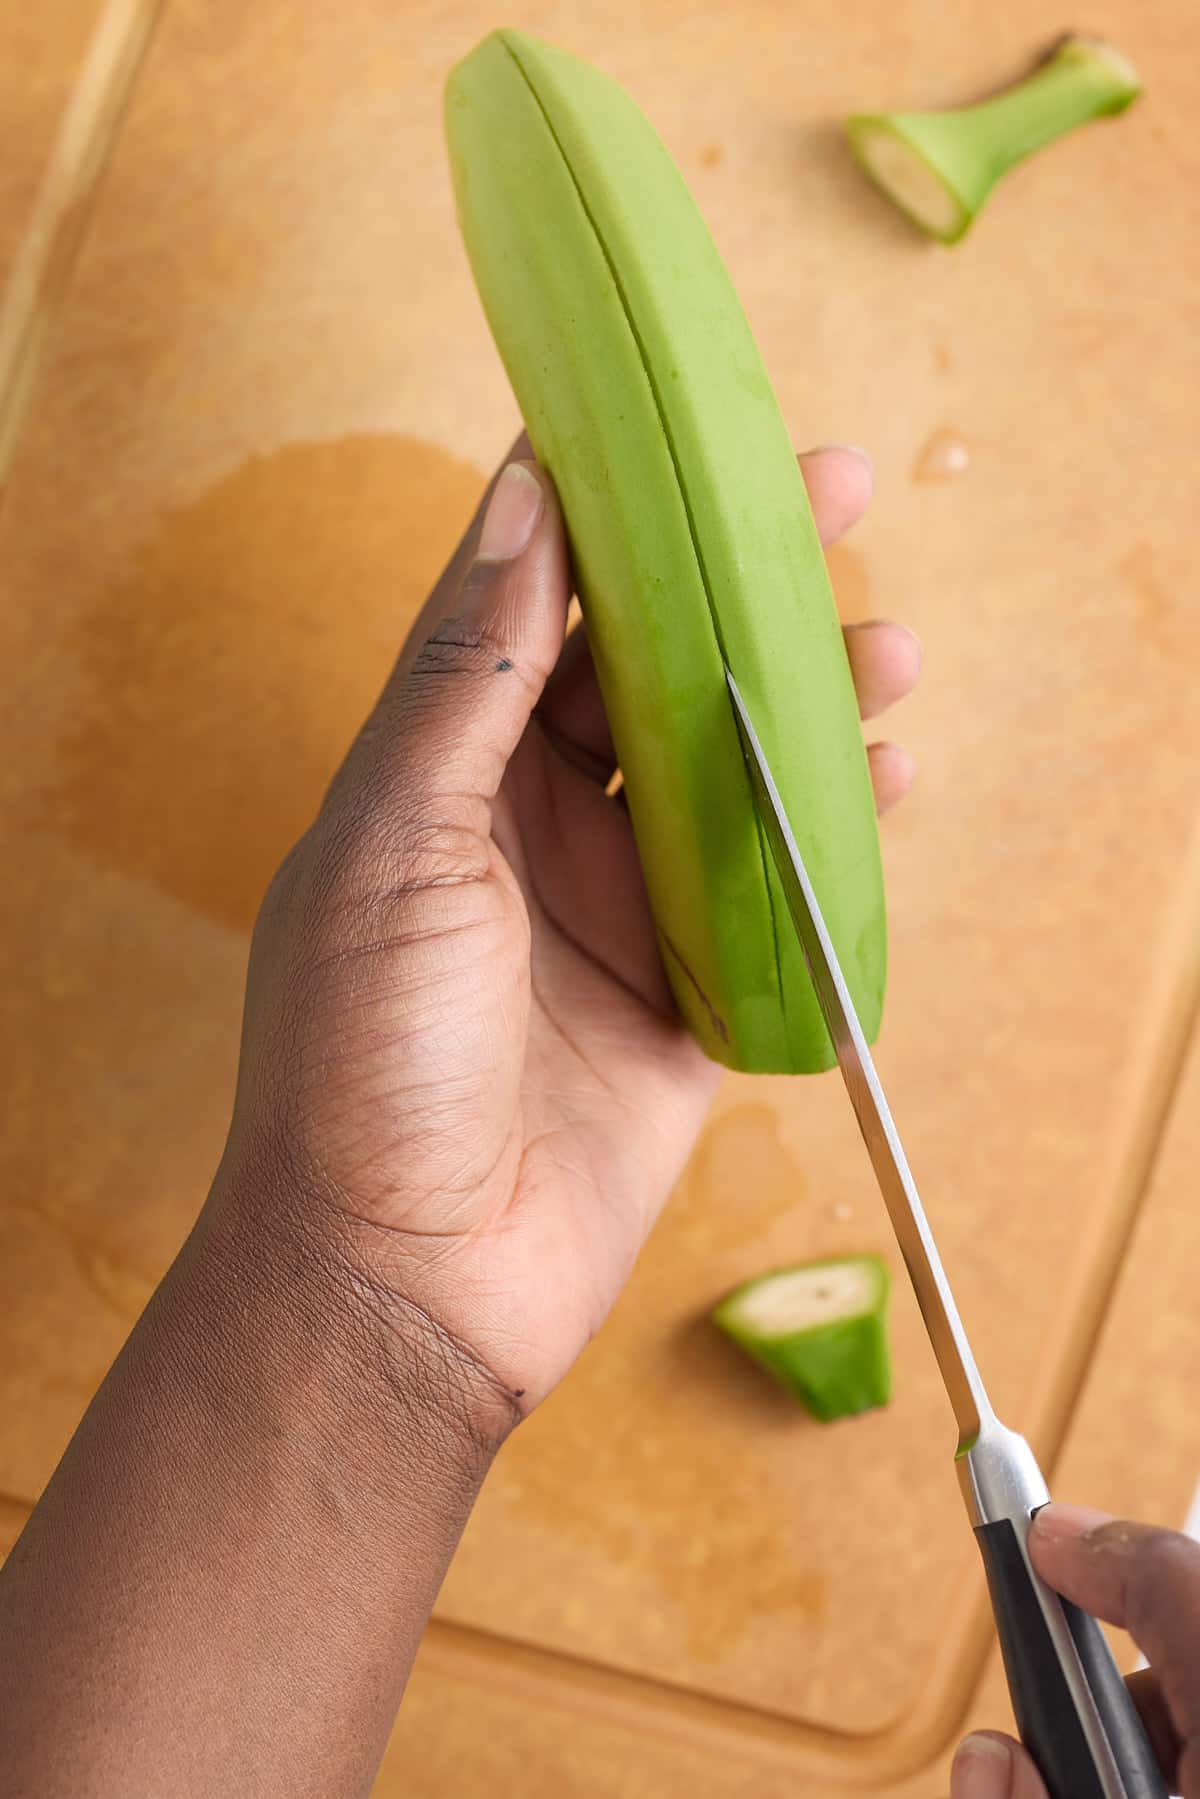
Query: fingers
x=572, y=712
x=1144, y=1579
x=431, y=757
x=840, y=481
x=991, y=1766
x=892, y=770
x=1145, y=1689
x=1138, y=1576
x=885, y=660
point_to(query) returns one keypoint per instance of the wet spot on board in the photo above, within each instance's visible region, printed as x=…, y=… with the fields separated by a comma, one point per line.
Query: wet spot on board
x=1151, y=597
x=227, y=668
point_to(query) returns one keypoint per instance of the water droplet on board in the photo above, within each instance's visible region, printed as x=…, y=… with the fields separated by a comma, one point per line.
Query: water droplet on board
x=942, y=456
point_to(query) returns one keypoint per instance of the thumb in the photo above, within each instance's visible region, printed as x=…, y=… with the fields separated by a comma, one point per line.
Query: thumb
x=434, y=750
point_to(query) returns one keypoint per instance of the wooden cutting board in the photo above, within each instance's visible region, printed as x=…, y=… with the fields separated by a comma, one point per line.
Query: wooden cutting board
x=43, y=51
x=266, y=408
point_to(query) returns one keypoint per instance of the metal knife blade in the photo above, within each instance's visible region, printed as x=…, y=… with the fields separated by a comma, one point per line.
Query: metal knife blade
x=942, y=1321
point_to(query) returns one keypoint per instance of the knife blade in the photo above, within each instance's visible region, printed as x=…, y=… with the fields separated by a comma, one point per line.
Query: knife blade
x=1073, y=1710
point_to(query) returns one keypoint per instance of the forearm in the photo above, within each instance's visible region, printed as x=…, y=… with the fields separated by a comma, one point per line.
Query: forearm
x=223, y=1588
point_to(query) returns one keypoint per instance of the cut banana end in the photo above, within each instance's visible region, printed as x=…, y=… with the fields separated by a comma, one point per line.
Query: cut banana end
x=906, y=178
x=821, y=1330
x=940, y=167
x=692, y=538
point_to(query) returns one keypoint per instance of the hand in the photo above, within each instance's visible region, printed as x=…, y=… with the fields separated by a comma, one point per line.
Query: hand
x=464, y=1095
x=1145, y=1580
x=461, y=1056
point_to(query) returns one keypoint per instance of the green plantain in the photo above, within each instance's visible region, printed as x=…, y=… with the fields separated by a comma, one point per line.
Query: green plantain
x=645, y=397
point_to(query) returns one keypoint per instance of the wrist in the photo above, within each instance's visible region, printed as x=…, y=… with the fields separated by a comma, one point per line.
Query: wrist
x=372, y=1383
x=252, y=1521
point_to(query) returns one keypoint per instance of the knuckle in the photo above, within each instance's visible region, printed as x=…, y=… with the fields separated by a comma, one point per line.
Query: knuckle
x=383, y=858
x=444, y=851
x=459, y=645
x=1154, y=1546
x=479, y=640
x=1163, y=1568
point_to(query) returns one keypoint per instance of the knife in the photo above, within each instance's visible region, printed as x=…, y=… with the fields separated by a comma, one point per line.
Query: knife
x=1073, y=1709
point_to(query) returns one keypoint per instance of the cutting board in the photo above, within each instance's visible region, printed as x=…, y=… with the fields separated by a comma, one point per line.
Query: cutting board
x=265, y=409
x=44, y=50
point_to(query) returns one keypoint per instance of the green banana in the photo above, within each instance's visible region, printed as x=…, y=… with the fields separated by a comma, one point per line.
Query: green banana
x=821, y=1330
x=645, y=397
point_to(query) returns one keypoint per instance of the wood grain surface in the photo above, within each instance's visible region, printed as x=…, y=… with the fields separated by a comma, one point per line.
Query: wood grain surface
x=265, y=410
x=67, y=168
x=41, y=51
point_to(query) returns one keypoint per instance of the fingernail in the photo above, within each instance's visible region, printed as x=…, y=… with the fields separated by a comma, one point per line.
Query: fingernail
x=1058, y=1523
x=983, y=1769
x=852, y=450
x=513, y=510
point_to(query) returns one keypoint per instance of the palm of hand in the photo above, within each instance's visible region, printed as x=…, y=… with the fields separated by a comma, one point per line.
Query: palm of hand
x=496, y=1094
x=508, y=1194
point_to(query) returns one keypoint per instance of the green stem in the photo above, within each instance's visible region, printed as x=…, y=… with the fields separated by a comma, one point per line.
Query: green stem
x=1081, y=81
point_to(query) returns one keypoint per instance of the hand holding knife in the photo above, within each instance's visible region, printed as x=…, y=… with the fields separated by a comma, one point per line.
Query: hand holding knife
x=1072, y=1707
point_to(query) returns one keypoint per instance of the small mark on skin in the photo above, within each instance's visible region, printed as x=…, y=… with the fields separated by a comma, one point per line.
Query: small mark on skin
x=503, y=666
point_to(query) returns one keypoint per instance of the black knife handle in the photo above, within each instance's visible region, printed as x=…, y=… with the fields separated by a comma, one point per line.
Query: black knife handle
x=1046, y=1712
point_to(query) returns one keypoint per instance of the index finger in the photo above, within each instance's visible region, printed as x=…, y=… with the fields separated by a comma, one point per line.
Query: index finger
x=1144, y=1579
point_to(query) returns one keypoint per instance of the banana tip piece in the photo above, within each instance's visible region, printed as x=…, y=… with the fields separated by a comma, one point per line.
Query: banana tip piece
x=940, y=168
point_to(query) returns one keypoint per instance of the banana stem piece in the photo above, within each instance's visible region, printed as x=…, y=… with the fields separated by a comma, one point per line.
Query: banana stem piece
x=940, y=167
x=819, y=1329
